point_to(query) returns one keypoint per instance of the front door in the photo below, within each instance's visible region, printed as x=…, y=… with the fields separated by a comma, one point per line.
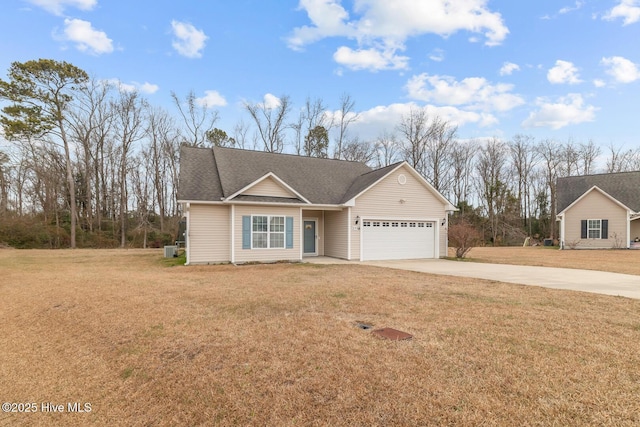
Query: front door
x=310, y=237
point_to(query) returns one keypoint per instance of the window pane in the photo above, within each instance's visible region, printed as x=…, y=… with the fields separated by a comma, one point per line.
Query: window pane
x=259, y=240
x=277, y=240
x=277, y=224
x=259, y=223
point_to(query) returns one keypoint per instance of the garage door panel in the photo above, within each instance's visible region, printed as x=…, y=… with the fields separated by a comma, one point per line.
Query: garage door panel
x=387, y=239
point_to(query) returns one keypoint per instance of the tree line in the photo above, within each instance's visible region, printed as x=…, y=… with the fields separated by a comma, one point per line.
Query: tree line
x=90, y=163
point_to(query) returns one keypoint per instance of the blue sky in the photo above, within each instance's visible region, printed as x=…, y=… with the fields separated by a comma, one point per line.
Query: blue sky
x=549, y=68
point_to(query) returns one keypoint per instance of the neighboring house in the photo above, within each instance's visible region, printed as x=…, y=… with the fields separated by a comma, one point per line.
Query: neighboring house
x=243, y=206
x=599, y=211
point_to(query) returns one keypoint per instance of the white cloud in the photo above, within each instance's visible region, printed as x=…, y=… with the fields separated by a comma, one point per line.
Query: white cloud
x=508, y=68
x=188, y=41
x=599, y=83
x=621, y=69
x=386, y=25
x=211, y=98
x=567, y=9
x=86, y=38
x=370, y=59
x=568, y=110
x=148, y=88
x=628, y=10
x=563, y=72
x=271, y=101
x=57, y=6
x=384, y=118
x=145, y=87
x=475, y=93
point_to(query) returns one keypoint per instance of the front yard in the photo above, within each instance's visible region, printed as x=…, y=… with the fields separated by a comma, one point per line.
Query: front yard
x=147, y=344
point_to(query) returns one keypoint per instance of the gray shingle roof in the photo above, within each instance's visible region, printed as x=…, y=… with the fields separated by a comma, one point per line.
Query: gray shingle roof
x=213, y=174
x=624, y=187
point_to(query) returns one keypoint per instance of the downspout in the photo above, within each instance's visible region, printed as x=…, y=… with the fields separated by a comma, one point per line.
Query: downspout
x=233, y=234
x=348, y=234
x=188, y=232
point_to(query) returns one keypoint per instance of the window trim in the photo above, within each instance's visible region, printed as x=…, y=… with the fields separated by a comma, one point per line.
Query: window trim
x=269, y=232
x=598, y=228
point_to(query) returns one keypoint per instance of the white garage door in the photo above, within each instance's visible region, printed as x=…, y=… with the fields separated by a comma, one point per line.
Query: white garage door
x=397, y=239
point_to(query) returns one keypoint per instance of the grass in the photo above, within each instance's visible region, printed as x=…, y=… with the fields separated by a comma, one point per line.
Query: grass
x=614, y=260
x=148, y=344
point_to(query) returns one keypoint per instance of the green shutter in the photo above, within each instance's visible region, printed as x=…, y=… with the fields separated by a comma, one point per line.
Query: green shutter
x=289, y=232
x=246, y=232
x=605, y=229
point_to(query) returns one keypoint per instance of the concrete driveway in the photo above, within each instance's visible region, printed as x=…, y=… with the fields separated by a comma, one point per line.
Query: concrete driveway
x=599, y=282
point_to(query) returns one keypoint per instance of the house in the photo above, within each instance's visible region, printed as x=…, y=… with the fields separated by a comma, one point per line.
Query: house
x=243, y=206
x=599, y=211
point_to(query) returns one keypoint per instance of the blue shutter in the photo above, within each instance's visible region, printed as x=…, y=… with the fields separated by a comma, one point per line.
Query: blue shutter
x=246, y=232
x=605, y=229
x=289, y=232
x=583, y=227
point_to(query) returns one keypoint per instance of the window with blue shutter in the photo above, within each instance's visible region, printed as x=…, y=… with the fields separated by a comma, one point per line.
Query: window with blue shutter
x=289, y=232
x=246, y=232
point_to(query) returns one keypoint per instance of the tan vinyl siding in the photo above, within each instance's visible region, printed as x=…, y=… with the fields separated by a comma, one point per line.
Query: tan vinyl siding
x=318, y=215
x=209, y=234
x=268, y=187
x=383, y=201
x=248, y=255
x=595, y=205
x=335, y=233
x=635, y=229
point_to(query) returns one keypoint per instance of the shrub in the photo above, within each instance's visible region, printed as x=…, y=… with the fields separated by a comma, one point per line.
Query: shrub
x=463, y=237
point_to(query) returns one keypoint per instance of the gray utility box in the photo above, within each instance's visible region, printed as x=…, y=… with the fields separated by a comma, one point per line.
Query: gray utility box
x=170, y=251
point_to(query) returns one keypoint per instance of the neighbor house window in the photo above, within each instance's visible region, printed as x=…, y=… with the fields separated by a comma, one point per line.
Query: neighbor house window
x=594, y=228
x=267, y=232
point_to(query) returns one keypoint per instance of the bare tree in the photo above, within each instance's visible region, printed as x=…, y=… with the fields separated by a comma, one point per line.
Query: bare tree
x=438, y=147
x=414, y=128
x=129, y=127
x=198, y=119
x=569, y=156
x=524, y=158
x=550, y=156
x=492, y=177
x=160, y=132
x=588, y=154
x=240, y=134
x=270, y=121
x=462, y=160
x=347, y=117
x=387, y=149
x=355, y=150
x=620, y=160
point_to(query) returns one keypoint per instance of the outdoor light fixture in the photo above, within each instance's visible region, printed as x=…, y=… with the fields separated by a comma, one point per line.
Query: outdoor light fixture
x=444, y=221
x=357, y=219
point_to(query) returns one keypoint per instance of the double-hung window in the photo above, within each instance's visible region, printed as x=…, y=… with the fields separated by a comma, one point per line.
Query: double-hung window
x=267, y=232
x=594, y=228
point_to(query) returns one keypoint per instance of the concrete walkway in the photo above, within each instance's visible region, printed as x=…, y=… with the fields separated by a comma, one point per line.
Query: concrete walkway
x=599, y=282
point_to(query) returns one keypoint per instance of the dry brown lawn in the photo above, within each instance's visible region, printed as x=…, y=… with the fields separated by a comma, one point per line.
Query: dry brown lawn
x=147, y=344
x=613, y=260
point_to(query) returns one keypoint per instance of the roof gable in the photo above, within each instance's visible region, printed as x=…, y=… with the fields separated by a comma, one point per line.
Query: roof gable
x=366, y=182
x=624, y=187
x=596, y=189
x=271, y=186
